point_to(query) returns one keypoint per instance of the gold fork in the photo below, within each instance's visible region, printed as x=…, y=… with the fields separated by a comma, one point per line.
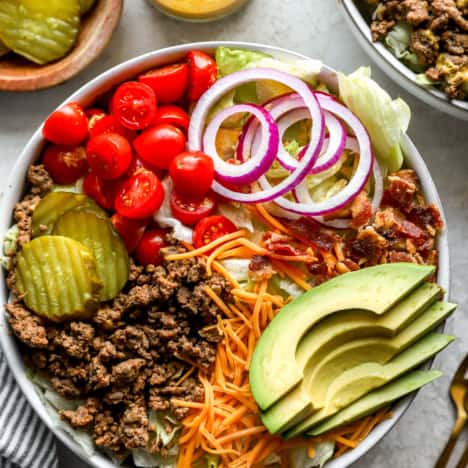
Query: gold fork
x=459, y=394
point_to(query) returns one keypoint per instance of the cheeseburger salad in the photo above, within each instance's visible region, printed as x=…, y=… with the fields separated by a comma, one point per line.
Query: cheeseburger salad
x=165, y=227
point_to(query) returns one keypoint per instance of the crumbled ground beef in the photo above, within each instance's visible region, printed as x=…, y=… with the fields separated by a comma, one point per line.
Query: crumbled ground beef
x=439, y=38
x=130, y=357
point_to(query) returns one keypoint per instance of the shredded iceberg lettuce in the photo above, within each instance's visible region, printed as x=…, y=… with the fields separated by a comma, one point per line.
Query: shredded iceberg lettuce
x=232, y=60
x=144, y=459
x=165, y=218
x=237, y=214
x=77, y=187
x=298, y=457
x=398, y=41
x=158, y=421
x=238, y=268
x=385, y=119
x=9, y=246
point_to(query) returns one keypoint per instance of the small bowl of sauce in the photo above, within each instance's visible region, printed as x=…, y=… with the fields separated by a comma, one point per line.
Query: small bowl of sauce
x=198, y=10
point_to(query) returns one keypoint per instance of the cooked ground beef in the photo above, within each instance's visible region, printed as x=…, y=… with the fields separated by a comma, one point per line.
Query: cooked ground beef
x=439, y=38
x=130, y=357
x=132, y=354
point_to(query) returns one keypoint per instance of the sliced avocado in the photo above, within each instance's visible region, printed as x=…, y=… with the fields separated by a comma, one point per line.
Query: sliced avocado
x=274, y=370
x=324, y=371
x=377, y=399
x=370, y=375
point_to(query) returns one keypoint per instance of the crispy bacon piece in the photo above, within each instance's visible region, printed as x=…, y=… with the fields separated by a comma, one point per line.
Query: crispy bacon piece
x=260, y=268
x=401, y=190
x=312, y=233
x=282, y=244
x=368, y=246
x=425, y=216
x=361, y=210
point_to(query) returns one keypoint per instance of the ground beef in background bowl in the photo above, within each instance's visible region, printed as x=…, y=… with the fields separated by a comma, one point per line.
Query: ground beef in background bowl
x=439, y=38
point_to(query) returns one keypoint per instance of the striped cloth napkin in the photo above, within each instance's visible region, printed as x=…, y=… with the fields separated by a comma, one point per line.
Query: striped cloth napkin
x=25, y=440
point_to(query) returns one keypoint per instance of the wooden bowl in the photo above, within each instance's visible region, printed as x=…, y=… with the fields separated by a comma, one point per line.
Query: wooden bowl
x=96, y=29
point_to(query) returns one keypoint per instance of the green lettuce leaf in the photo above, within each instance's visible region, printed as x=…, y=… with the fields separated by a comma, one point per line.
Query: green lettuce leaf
x=385, y=119
x=398, y=41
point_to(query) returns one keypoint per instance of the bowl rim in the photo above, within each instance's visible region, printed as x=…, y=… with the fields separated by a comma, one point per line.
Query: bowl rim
x=86, y=95
x=396, y=69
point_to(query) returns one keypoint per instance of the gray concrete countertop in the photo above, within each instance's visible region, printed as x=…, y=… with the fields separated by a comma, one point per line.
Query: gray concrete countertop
x=317, y=29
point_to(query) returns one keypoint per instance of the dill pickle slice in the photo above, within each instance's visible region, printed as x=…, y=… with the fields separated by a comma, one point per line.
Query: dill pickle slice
x=58, y=277
x=41, y=31
x=86, y=5
x=55, y=204
x=105, y=244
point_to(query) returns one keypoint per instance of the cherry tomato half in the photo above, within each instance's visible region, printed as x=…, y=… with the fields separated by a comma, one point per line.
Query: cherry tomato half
x=130, y=230
x=148, y=251
x=102, y=191
x=210, y=229
x=109, y=124
x=67, y=125
x=173, y=115
x=66, y=164
x=189, y=212
x=134, y=104
x=192, y=173
x=140, y=196
x=139, y=164
x=169, y=83
x=202, y=73
x=109, y=155
x=160, y=144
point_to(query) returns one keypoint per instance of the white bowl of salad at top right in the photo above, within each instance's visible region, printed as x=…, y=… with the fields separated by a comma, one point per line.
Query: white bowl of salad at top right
x=428, y=60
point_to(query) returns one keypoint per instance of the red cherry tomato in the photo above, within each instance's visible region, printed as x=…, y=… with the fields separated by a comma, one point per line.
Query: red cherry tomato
x=192, y=173
x=148, y=251
x=102, y=191
x=109, y=124
x=134, y=104
x=66, y=164
x=210, y=229
x=139, y=164
x=67, y=125
x=202, y=73
x=130, y=230
x=188, y=211
x=160, y=144
x=109, y=155
x=173, y=115
x=169, y=83
x=140, y=196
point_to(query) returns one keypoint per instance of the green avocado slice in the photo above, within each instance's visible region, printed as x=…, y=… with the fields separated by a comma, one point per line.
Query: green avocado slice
x=323, y=370
x=274, y=370
x=370, y=375
x=377, y=399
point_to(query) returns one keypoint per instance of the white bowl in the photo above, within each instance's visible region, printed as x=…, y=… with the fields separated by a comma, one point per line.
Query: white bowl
x=86, y=96
x=396, y=69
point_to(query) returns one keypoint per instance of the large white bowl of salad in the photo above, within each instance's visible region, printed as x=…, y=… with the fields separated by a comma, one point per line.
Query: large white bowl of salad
x=223, y=255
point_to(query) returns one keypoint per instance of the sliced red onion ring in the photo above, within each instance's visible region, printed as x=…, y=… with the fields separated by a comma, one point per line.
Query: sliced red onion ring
x=336, y=141
x=305, y=205
x=228, y=83
x=351, y=144
x=259, y=162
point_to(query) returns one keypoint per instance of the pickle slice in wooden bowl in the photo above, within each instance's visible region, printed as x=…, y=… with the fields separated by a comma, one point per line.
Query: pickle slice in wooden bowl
x=58, y=278
x=41, y=31
x=105, y=244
